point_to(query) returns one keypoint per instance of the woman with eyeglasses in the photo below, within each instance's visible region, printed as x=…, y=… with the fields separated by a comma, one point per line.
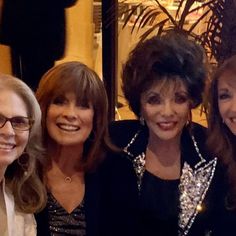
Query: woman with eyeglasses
x=21, y=190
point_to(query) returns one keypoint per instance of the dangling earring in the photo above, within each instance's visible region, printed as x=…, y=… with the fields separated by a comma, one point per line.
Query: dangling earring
x=189, y=120
x=23, y=162
x=141, y=120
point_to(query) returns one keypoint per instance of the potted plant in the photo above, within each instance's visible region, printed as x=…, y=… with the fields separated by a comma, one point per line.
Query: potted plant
x=159, y=18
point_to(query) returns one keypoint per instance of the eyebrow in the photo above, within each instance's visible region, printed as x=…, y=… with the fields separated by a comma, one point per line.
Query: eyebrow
x=223, y=89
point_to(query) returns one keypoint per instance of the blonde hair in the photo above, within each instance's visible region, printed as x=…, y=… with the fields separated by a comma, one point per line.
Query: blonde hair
x=26, y=185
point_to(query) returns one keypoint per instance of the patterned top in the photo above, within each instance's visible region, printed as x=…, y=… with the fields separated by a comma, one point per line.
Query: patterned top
x=63, y=223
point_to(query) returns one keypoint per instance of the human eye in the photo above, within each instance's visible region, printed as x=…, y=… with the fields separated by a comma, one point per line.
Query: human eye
x=181, y=98
x=20, y=122
x=84, y=104
x=60, y=100
x=224, y=95
x=2, y=119
x=153, y=99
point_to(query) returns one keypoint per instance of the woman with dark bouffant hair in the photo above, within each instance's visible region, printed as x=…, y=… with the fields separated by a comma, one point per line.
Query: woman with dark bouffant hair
x=222, y=126
x=22, y=193
x=165, y=181
x=74, y=108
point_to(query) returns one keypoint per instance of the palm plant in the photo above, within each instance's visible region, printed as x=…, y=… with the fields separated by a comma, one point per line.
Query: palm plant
x=160, y=19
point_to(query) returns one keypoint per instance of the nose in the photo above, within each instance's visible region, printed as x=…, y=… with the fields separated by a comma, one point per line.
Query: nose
x=167, y=108
x=69, y=112
x=7, y=129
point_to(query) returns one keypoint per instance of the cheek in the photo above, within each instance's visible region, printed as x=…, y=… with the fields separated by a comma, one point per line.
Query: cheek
x=186, y=114
x=88, y=119
x=148, y=112
x=184, y=110
x=222, y=108
x=50, y=118
x=23, y=140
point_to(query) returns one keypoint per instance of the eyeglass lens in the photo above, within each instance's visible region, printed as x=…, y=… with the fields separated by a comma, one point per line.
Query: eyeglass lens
x=17, y=122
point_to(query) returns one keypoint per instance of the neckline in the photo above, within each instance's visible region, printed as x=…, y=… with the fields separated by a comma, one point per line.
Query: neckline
x=57, y=204
x=155, y=177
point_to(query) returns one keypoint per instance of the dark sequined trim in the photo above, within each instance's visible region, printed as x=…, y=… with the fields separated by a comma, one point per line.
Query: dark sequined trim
x=63, y=223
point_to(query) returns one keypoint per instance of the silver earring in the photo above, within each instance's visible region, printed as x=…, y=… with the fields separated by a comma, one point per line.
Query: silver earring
x=141, y=120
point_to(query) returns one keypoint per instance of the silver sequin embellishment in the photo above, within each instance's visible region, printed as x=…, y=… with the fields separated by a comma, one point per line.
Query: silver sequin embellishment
x=193, y=187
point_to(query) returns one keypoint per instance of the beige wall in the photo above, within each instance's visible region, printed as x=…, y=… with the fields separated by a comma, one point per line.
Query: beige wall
x=5, y=60
x=80, y=30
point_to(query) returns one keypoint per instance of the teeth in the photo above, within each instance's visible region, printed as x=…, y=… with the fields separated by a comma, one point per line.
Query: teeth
x=233, y=120
x=6, y=146
x=68, y=127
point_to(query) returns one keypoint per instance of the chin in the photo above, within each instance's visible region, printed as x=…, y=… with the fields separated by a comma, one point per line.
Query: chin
x=233, y=131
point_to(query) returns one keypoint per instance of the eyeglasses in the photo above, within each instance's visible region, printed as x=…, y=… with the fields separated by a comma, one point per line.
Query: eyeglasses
x=18, y=122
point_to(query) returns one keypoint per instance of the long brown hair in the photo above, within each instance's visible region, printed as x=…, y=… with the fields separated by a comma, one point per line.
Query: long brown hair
x=88, y=87
x=221, y=141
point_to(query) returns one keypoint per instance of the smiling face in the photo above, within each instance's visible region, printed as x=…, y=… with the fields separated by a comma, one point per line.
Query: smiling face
x=12, y=142
x=165, y=108
x=69, y=123
x=227, y=99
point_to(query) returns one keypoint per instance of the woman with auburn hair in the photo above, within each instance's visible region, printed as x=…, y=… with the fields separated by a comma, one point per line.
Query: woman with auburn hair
x=222, y=130
x=22, y=192
x=74, y=107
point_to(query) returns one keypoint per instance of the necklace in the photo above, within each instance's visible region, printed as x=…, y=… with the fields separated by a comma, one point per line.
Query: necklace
x=58, y=174
x=68, y=179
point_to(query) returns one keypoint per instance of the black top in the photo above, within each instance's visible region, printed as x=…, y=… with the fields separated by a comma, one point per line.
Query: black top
x=91, y=209
x=161, y=207
x=159, y=202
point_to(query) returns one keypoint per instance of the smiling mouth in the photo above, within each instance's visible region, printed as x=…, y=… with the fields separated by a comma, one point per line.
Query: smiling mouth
x=7, y=146
x=233, y=120
x=166, y=125
x=67, y=127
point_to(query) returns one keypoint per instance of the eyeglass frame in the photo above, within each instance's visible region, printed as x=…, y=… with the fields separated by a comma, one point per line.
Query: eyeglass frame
x=30, y=123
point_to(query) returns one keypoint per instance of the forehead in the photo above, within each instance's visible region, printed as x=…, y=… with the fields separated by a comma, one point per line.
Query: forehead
x=72, y=94
x=11, y=103
x=167, y=86
x=227, y=80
